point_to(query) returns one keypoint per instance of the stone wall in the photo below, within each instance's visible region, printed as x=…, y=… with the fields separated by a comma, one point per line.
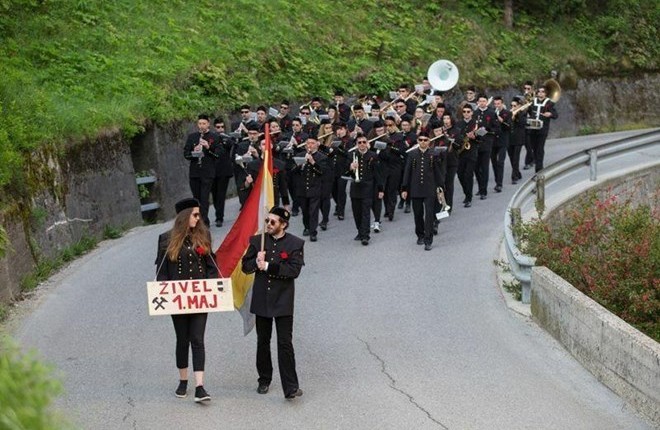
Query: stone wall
x=621, y=357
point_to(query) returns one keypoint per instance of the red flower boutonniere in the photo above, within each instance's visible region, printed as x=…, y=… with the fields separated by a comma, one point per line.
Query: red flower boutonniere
x=200, y=250
x=276, y=170
x=284, y=255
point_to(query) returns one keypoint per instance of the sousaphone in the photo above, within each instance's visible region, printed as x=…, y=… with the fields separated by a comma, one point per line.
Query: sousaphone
x=443, y=75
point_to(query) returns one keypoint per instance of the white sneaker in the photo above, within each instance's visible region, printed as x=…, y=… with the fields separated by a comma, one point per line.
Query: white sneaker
x=376, y=227
x=373, y=225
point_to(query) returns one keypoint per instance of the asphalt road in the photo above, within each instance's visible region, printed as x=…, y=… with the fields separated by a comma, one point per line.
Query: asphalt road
x=387, y=336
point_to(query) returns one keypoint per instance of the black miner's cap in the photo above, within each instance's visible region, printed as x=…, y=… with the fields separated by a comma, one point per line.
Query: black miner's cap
x=281, y=212
x=185, y=204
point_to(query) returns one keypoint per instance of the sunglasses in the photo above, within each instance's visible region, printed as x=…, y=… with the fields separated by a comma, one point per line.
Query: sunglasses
x=284, y=107
x=245, y=111
x=304, y=113
x=270, y=221
x=362, y=141
x=467, y=111
x=195, y=215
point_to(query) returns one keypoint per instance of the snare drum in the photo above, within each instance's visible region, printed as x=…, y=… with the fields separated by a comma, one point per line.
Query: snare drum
x=534, y=124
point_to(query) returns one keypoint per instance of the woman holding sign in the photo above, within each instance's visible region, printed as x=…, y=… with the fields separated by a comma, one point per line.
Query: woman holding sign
x=185, y=253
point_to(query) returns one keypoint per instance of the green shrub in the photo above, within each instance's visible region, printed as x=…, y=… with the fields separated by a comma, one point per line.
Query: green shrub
x=27, y=390
x=610, y=251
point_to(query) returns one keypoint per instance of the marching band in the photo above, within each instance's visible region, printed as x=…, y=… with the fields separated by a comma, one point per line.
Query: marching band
x=409, y=149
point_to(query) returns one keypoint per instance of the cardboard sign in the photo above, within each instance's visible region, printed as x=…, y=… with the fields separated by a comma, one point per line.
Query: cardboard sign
x=190, y=296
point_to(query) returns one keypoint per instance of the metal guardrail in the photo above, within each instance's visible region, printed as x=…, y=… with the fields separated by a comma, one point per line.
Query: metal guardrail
x=589, y=161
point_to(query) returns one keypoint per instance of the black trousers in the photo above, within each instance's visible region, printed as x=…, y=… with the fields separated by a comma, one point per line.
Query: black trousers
x=310, y=212
x=482, y=170
x=376, y=205
x=325, y=209
x=362, y=215
x=449, y=185
x=201, y=190
x=529, y=150
x=219, y=193
x=537, y=140
x=189, y=329
x=497, y=158
x=339, y=194
x=514, y=158
x=392, y=188
x=424, y=212
x=465, y=174
x=291, y=183
x=285, y=355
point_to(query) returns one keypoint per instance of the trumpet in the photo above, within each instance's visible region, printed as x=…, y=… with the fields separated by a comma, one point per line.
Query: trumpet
x=357, y=169
x=521, y=108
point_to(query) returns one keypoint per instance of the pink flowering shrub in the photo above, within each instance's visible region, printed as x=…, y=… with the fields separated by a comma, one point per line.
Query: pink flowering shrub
x=610, y=251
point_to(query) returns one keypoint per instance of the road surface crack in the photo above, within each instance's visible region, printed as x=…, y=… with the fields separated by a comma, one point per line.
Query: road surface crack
x=392, y=384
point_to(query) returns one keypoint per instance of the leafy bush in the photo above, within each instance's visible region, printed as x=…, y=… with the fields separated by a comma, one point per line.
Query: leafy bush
x=610, y=251
x=27, y=390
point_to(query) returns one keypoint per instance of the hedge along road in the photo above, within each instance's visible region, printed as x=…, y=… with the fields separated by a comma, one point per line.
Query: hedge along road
x=386, y=336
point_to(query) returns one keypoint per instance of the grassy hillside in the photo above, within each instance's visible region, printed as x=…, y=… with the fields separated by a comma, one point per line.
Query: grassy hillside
x=74, y=69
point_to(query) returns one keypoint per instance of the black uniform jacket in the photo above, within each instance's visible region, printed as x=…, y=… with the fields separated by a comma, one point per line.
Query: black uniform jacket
x=539, y=107
x=189, y=265
x=310, y=177
x=502, y=138
x=370, y=173
x=279, y=178
x=423, y=174
x=206, y=167
x=487, y=119
x=464, y=128
x=273, y=290
x=224, y=165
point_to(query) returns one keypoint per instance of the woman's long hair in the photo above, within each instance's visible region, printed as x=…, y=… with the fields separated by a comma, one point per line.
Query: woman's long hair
x=199, y=235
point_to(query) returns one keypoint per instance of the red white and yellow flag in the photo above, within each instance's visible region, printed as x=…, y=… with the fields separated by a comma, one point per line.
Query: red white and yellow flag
x=250, y=221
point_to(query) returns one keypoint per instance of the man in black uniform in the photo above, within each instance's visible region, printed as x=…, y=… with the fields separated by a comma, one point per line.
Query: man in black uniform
x=310, y=177
x=201, y=149
x=423, y=178
x=467, y=158
x=365, y=172
x=343, y=110
x=275, y=269
x=359, y=124
x=501, y=143
x=243, y=147
x=224, y=170
x=488, y=128
x=279, y=176
x=284, y=117
x=517, y=139
x=240, y=126
x=542, y=109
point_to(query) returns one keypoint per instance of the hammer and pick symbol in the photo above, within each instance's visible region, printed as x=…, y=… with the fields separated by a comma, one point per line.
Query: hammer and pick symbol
x=158, y=301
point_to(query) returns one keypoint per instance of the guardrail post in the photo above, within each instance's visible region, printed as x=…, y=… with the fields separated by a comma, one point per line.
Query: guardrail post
x=593, y=165
x=516, y=221
x=540, y=194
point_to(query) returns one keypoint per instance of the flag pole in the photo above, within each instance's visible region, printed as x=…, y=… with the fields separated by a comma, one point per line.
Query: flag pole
x=264, y=167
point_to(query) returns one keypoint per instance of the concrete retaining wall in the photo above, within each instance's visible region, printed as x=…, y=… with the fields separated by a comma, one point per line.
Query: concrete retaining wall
x=621, y=357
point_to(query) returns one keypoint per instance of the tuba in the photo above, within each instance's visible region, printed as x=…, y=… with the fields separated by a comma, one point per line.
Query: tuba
x=553, y=90
x=443, y=75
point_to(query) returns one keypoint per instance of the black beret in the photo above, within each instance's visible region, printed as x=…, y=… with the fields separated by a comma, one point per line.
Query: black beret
x=281, y=212
x=203, y=116
x=423, y=134
x=438, y=93
x=339, y=92
x=186, y=204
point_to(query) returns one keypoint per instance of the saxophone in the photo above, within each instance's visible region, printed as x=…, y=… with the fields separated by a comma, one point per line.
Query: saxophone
x=466, y=140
